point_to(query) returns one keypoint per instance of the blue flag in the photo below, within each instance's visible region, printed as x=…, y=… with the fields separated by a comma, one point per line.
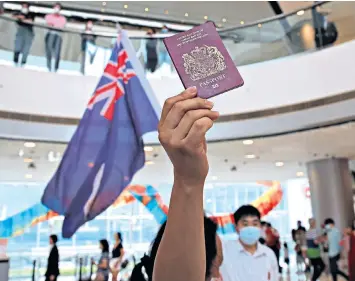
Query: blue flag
x=107, y=148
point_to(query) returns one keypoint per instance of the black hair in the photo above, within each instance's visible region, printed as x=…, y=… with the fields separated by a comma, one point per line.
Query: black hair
x=105, y=246
x=58, y=4
x=119, y=235
x=268, y=224
x=25, y=3
x=246, y=211
x=329, y=221
x=263, y=223
x=148, y=261
x=54, y=238
x=285, y=245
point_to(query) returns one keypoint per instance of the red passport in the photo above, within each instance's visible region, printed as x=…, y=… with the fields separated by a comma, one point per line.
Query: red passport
x=202, y=60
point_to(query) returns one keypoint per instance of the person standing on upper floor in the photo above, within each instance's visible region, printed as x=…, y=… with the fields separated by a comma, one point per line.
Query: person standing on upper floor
x=151, y=51
x=52, y=272
x=334, y=237
x=87, y=37
x=117, y=256
x=24, y=35
x=53, y=39
x=246, y=258
x=314, y=239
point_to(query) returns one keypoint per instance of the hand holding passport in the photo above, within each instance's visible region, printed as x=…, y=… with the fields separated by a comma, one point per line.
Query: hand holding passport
x=202, y=60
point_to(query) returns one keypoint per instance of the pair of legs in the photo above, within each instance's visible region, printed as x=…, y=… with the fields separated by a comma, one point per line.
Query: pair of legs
x=334, y=269
x=318, y=267
x=23, y=43
x=53, y=43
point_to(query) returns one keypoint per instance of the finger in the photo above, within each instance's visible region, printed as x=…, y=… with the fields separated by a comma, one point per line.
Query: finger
x=181, y=108
x=198, y=131
x=169, y=103
x=190, y=118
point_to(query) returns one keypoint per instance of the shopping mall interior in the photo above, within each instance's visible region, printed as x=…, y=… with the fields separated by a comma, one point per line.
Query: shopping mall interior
x=284, y=141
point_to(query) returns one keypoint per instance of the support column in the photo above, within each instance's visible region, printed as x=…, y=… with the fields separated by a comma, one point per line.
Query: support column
x=331, y=187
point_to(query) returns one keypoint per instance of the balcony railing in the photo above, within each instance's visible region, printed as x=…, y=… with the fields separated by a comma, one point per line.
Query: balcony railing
x=313, y=28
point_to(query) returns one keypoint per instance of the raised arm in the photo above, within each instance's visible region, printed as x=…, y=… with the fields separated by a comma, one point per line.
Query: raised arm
x=184, y=122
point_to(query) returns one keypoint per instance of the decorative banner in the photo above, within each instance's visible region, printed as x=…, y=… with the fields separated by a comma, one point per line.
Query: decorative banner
x=150, y=198
x=3, y=248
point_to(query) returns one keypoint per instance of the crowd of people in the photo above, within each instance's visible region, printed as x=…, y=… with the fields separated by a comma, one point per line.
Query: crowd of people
x=322, y=248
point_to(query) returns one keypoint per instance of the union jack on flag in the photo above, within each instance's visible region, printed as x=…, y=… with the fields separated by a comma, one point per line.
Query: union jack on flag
x=107, y=148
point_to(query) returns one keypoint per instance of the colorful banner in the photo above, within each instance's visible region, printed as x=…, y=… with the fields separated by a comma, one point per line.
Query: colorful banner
x=151, y=199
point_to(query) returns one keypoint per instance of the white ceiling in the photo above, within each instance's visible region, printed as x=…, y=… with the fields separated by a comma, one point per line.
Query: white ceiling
x=233, y=11
x=293, y=149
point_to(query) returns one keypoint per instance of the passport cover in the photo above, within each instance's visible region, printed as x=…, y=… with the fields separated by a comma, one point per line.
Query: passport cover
x=202, y=60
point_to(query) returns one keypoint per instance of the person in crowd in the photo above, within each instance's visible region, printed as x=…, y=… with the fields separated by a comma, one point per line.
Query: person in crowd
x=300, y=227
x=213, y=254
x=182, y=253
x=87, y=37
x=117, y=256
x=273, y=242
x=103, y=266
x=262, y=239
x=286, y=256
x=24, y=35
x=246, y=258
x=299, y=236
x=314, y=239
x=351, y=254
x=334, y=238
x=53, y=39
x=1, y=7
x=151, y=51
x=163, y=52
x=52, y=272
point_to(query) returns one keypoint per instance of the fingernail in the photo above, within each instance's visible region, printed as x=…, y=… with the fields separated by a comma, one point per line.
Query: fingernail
x=192, y=90
x=209, y=103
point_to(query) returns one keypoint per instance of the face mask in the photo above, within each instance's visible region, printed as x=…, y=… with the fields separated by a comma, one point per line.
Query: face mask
x=56, y=10
x=164, y=30
x=327, y=227
x=24, y=10
x=249, y=235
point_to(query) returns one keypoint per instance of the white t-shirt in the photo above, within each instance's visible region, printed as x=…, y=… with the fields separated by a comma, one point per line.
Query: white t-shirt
x=240, y=265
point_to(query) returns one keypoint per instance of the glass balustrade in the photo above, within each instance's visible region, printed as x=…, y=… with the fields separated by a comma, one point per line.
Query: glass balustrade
x=311, y=29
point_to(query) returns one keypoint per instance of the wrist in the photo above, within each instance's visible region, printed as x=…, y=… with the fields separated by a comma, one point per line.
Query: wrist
x=188, y=185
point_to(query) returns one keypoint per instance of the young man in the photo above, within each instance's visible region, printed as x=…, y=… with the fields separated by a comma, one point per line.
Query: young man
x=24, y=34
x=53, y=39
x=334, y=237
x=246, y=258
x=314, y=238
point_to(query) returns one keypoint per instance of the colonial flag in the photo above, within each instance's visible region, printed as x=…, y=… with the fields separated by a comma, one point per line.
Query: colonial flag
x=107, y=148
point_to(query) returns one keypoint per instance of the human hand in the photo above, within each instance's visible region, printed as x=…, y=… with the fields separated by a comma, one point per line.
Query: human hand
x=183, y=125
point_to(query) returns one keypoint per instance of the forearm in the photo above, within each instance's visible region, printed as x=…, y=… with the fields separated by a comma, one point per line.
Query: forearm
x=181, y=254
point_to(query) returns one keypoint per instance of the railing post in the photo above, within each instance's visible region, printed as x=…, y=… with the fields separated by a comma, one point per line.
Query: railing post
x=80, y=268
x=91, y=269
x=34, y=270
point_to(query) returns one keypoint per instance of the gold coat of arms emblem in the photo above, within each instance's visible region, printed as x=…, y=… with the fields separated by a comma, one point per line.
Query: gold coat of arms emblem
x=203, y=62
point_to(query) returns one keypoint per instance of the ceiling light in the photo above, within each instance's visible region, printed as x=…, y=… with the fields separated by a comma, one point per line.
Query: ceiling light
x=241, y=22
x=103, y=3
x=29, y=144
x=149, y=162
x=250, y=156
x=279, y=164
x=148, y=148
x=28, y=176
x=224, y=20
x=28, y=160
x=205, y=17
x=125, y=6
x=186, y=14
x=299, y=174
x=259, y=25
x=21, y=153
x=300, y=13
x=146, y=9
x=248, y=142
